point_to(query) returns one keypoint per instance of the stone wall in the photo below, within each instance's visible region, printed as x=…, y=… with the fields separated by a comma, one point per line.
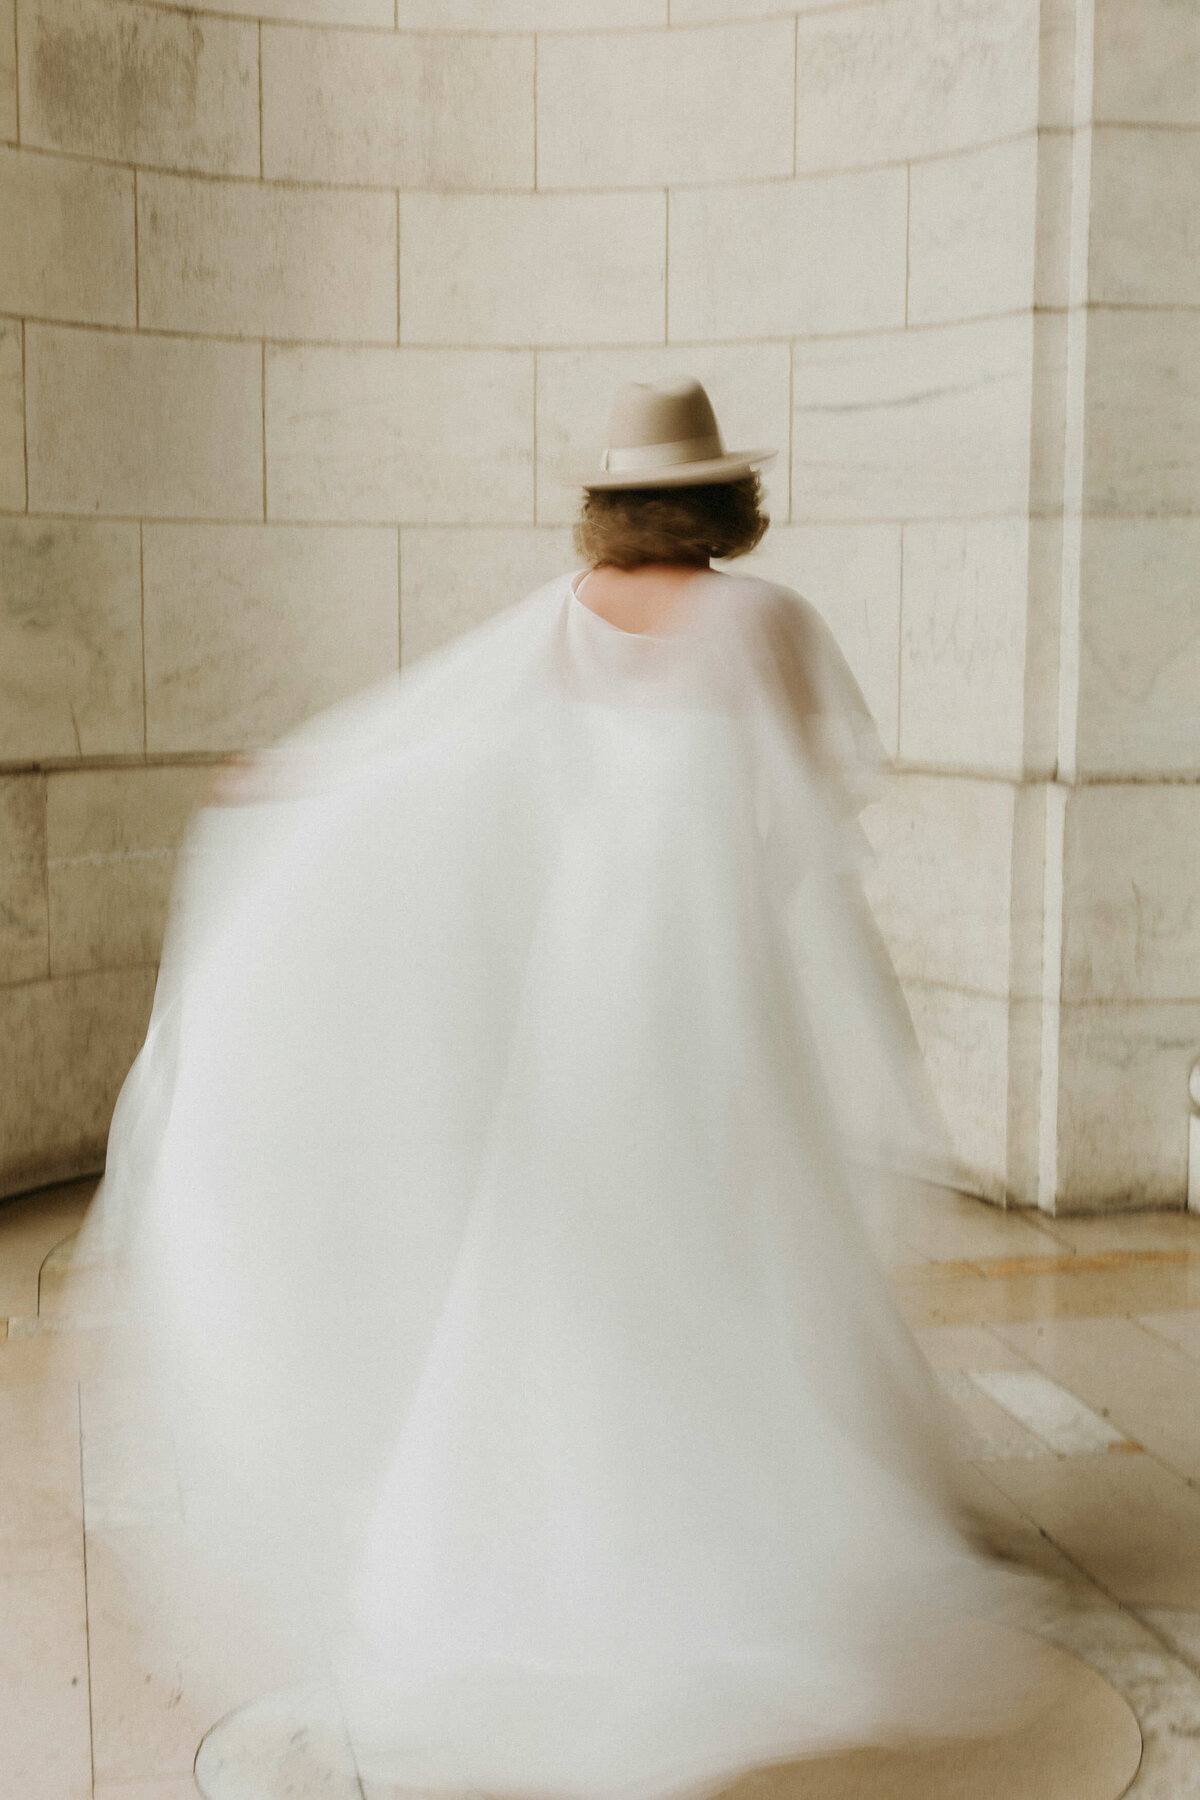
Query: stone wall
x=305, y=311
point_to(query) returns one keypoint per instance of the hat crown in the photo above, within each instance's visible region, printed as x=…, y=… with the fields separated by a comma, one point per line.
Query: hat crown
x=646, y=414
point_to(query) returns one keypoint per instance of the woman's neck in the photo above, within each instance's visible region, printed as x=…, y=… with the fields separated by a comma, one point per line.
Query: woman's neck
x=638, y=599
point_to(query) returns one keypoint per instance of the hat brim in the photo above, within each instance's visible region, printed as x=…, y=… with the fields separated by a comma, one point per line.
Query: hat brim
x=733, y=466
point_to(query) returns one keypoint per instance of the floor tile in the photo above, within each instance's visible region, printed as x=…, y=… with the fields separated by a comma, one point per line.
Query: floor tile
x=1147, y=1387
x=30, y=1226
x=968, y=1347
x=41, y=1512
x=985, y=1430
x=945, y=1227
x=1045, y=1408
x=1179, y=1328
x=173, y=1787
x=44, y=1749
x=1178, y=1629
x=1127, y=1231
x=932, y=1297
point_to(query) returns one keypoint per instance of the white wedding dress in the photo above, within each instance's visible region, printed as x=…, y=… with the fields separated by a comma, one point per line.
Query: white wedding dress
x=496, y=1188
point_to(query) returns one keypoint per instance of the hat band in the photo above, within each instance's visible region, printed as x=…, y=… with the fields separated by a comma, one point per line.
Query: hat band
x=663, y=456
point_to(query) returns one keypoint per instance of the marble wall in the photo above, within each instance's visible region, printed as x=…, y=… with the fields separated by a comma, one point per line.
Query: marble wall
x=303, y=311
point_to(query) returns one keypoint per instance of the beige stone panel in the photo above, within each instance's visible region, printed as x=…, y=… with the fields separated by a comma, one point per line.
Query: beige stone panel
x=1139, y=647
x=12, y=417
x=972, y=233
x=434, y=111
x=1147, y=61
x=67, y=231
x=45, y=1747
x=8, y=70
x=1143, y=443
x=532, y=268
x=940, y=880
x=1055, y=178
x=645, y=109
x=943, y=1226
x=247, y=631
x=41, y=1504
x=962, y=647
x=851, y=574
x=1131, y=923
x=419, y=436
x=140, y=84
x=145, y=426
x=24, y=932
x=884, y=83
x=112, y=836
x=964, y=1041
x=529, y=15
x=70, y=639
x=1123, y=1106
x=1131, y=1524
x=452, y=580
x=1056, y=75
x=1136, y=1231
x=748, y=386
x=917, y=424
x=324, y=13
x=785, y=259
x=253, y=259
x=77, y=1038
x=1143, y=241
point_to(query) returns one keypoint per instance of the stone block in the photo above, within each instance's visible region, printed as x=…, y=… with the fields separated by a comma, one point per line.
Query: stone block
x=419, y=436
x=143, y=426
x=111, y=839
x=452, y=580
x=248, y=629
x=1131, y=922
x=67, y=231
x=1143, y=234
x=8, y=71
x=1143, y=443
x=140, y=84
x=748, y=385
x=1123, y=1104
x=1147, y=62
x=707, y=105
x=964, y=1041
x=12, y=417
x=529, y=15
x=1139, y=648
x=940, y=881
x=788, y=259
x=256, y=259
x=972, y=233
x=851, y=574
x=436, y=111
x=882, y=83
x=1055, y=181
x=73, y=1040
x=917, y=424
x=532, y=268
x=24, y=932
x=962, y=649
x=329, y=13
x=70, y=639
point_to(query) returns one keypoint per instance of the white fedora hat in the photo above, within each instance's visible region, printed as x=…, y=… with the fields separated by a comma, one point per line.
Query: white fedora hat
x=665, y=434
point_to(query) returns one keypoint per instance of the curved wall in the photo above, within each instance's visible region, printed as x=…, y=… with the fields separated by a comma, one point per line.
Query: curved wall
x=305, y=309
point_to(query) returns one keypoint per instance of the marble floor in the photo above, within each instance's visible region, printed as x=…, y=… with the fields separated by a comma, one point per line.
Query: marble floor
x=1068, y=1349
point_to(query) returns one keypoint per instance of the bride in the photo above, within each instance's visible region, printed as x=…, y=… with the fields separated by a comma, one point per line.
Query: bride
x=497, y=1183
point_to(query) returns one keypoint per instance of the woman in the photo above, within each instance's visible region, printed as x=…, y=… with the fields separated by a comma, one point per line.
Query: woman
x=496, y=1182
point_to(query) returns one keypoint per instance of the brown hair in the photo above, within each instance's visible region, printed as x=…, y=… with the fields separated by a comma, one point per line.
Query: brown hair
x=626, y=527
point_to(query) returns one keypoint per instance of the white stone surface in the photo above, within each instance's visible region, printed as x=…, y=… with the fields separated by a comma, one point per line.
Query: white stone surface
x=940, y=881
x=12, y=418
x=646, y=109
x=748, y=385
x=139, y=84
x=910, y=425
x=137, y=424
x=435, y=111
x=70, y=639
x=964, y=1039
x=886, y=83
x=532, y=268
x=962, y=644
x=1145, y=242
x=24, y=925
x=420, y=436
x=1143, y=438
x=255, y=259
x=1062, y=1422
x=1132, y=881
x=785, y=259
x=971, y=233
x=1147, y=62
x=452, y=579
x=252, y=628
x=1122, y=1117
x=67, y=230
x=529, y=15
x=851, y=574
x=1139, y=647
